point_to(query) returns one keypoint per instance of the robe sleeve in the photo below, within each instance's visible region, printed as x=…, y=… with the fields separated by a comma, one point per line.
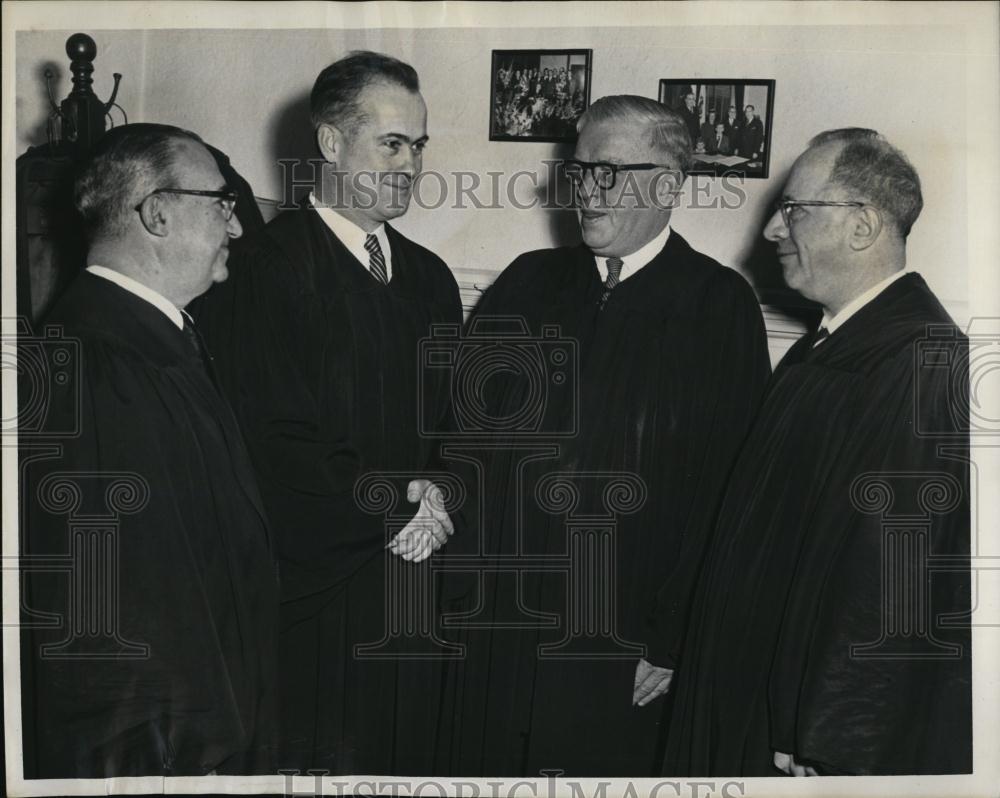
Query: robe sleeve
x=265, y=330
x=257, y=325
x=728, y=385
x=152, y=691
x=462, y=506
x=468, y=518
x=443, y=292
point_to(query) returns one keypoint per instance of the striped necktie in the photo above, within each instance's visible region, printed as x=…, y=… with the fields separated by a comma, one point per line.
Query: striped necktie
x=821, y=335
x=614, y=273
x=376, y=262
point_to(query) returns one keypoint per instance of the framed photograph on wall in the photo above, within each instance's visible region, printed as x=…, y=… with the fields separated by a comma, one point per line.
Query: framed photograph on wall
x=729, y=122
x=538, y=95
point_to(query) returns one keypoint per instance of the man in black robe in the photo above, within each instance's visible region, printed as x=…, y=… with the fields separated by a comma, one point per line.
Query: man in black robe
x=145, y=521
x=317, y=339
x=807, y=651
x=655, y=359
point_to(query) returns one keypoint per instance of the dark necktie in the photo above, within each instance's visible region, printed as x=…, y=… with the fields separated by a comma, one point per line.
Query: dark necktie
x=197, y=345
x=821, y=335
x=376, y=262
x=614, y=273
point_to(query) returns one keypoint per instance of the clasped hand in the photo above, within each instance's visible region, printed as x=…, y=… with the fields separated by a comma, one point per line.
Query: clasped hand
x=651, y=682
x=786, y=764
x=429, y=528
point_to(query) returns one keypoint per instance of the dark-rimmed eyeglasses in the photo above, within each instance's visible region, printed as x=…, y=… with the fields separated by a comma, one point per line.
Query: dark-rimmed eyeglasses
x=604, y=173
x=227, y=199
x=785, y=207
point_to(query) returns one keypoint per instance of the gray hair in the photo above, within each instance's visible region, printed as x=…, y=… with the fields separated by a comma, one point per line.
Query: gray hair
x=869, y=168
x=667, y=131
x=128, y=162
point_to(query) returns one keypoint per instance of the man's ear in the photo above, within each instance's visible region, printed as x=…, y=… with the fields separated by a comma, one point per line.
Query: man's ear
x=867, y=223
x=330, y=141
x=665, y=188
x=155, y=215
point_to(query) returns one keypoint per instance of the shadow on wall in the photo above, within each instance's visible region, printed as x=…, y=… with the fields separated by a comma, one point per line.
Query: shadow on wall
x=552, y=196
x=36, y=131
x=763, y=269
x=555, y=197
x=292, y=139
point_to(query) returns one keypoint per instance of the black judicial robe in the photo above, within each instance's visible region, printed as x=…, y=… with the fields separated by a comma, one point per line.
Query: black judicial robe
x=867, y=421
x=664, y=384
x=321, y=363
x=168, y=668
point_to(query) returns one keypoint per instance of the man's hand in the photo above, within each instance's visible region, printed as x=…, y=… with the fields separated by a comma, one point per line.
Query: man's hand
x=786, y=764
x=650, y=683
x=428, y=529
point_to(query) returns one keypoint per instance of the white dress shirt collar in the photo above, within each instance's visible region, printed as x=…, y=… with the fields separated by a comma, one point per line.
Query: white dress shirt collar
x=832, y=323
x=352, y=236
x=157, y=300
x=641, y=257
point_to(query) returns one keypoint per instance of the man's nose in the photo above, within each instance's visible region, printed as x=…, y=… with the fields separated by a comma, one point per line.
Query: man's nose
x=775, y=229
x=587, y=190
x=411, y=162
x=233, y=226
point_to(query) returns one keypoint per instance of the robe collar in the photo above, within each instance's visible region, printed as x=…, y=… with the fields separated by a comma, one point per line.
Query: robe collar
x=121, y=314
x=832, y=323
x=899, y=311
x=352, y=236
x=351, y=275
x=580, y=276
x=584, y=265
x=144, y=292
x=641, y=257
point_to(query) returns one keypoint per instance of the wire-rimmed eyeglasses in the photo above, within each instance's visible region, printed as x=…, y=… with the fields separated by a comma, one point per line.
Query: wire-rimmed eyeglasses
x=604, y=173
x=227, y=199
x=785, y=207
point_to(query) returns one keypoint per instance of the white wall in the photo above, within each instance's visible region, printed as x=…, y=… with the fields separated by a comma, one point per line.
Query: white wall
x=246, y=92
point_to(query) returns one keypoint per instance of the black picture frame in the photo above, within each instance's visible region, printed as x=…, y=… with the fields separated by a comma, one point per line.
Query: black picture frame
x=743, y=156
x=546, y=111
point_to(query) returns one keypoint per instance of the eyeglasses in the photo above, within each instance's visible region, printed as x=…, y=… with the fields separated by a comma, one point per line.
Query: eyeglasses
x=785, y=207
x=227, y=199
x=604, y=173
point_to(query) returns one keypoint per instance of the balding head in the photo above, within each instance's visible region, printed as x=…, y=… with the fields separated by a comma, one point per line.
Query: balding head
x=848, y=202
x=158, y=210
x=127, y=163
x=870, y=169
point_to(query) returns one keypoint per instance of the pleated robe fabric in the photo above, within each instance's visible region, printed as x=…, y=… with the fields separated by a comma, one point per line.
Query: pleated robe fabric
x=168, y=668
x=659, y=386
x=322, y=364
x=811, y=633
